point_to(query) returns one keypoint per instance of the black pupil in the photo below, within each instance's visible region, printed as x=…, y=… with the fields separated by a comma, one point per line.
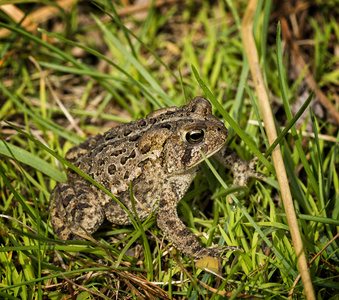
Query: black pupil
x=195, y=136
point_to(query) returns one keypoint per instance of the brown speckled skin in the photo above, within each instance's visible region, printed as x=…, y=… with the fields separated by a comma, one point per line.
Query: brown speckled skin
x=157, y=155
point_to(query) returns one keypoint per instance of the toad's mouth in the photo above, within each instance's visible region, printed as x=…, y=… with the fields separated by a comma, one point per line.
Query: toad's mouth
x=192, y=166
x=206, y=156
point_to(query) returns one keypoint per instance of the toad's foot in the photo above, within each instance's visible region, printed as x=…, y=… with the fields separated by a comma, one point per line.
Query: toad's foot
x=242, y=170
x=215, y=251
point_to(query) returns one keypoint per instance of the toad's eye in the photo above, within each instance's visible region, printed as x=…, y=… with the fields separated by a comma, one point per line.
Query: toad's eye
x=195, y=136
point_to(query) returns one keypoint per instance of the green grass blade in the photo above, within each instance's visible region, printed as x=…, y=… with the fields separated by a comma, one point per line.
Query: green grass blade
x=73, y=70
x=331, y=169
x=8, y=297
x=265, y=24
x=112, y=8
x=32, y=160
x=256, y=111
x=18, y=197
x=147, y=76
x=239, y=97
x=323, y=220
x=319, y=161
x=290, y=124
x=288, y=112
x=296, y=189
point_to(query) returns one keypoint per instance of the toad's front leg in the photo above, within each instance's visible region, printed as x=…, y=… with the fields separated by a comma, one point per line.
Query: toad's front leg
x=242, y=170
x=177, y=233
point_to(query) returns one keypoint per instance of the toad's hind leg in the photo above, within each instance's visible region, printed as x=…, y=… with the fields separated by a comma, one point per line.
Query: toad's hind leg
x=75, y=212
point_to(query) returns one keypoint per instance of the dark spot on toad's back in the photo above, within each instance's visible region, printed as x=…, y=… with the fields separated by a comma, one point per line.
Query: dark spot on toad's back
x=134, y=138
x=145, y=149
x=111, y=169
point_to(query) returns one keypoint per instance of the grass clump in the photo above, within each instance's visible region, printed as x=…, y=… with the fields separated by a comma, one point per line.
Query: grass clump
x=81, y=73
